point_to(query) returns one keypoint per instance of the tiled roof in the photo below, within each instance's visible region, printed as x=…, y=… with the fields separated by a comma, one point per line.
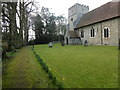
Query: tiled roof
x=104, y=12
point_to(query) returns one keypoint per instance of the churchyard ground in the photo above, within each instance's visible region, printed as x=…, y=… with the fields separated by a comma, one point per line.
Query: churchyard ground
x=77, y=66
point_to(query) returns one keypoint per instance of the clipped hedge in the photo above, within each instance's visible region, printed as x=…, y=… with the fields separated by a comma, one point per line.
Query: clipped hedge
x=46, y=38
x=46, y=68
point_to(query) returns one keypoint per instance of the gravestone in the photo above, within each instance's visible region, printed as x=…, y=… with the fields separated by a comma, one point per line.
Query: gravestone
x=50, y=44
x=85, y=43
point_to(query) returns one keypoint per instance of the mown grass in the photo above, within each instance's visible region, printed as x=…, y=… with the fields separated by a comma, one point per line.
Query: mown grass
x=82, y=67
x=24, y=71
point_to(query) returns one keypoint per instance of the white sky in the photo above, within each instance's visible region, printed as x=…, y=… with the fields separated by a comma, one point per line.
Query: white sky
x=60, y=7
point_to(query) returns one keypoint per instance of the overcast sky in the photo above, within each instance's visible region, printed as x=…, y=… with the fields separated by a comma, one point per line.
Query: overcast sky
x=60, y=7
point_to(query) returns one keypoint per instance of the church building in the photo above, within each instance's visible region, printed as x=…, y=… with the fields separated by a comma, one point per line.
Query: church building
x=99, y=26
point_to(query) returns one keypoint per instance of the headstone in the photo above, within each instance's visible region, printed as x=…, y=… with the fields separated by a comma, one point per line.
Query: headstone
x=85, y=43
x=50, y=44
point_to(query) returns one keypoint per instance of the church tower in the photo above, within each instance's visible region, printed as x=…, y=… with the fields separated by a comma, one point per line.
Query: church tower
x=75, y=13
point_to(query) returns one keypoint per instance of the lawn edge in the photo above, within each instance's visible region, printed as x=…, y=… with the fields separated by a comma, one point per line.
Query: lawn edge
x=48, y=71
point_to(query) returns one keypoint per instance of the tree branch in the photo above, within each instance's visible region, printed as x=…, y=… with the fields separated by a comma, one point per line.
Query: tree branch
x=6, y=20
x=27, y=4
x=18, y=14
x=5, y=15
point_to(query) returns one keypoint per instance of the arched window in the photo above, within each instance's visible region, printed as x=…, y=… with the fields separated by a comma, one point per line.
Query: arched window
x=106, y=32
x=82, y=34
x=92, y=32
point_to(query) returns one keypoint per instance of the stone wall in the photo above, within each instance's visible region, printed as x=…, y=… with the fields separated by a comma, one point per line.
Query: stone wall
x=113, y=25
x=92, y=40
x=99, y=35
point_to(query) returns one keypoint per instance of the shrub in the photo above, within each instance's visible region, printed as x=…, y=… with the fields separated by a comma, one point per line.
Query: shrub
x=60, y=85
x=4, y=49
x=46, y=38
x=62, y=43
x=54, y=80
x=50, y=75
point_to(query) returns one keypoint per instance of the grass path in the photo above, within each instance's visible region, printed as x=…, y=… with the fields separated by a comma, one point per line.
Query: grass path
x=24, y=71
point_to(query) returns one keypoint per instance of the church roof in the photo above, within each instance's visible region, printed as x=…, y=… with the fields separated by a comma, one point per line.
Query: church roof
x=105, y=12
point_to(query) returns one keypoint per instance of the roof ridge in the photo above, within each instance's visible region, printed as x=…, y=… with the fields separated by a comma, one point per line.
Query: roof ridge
x=104, y=12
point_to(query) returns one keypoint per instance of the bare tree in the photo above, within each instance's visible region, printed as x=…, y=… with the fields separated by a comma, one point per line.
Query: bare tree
x=17, y=34
x=61, y=25
x=27, y=9
x=9, y=15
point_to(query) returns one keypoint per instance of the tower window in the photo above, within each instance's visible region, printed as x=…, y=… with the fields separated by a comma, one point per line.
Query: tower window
x=71, y=19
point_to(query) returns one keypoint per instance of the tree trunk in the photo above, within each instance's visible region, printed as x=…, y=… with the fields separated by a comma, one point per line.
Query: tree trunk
x=26, y=30
x=25, y=24
x=14, y=26
x=21, y=25
x=11, y=27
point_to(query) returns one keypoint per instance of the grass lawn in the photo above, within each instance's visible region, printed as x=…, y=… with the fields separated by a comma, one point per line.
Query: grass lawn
x=77, y=66
x=24, y=71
